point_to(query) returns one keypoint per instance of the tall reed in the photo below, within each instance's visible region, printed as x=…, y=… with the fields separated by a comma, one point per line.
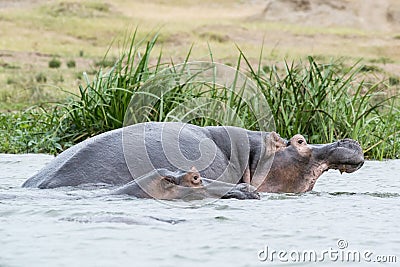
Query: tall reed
x=324, y=102
x=101, y=104
x=327, y=102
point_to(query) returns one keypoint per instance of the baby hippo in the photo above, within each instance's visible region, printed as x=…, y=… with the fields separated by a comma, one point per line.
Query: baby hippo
x=164, y=184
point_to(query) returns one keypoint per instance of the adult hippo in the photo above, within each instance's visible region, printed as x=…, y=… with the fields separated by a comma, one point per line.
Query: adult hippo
x=165, y=184
x=229, y=154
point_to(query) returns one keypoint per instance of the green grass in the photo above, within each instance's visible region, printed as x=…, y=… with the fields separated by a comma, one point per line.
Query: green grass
x=324, y=102
x=31, y=131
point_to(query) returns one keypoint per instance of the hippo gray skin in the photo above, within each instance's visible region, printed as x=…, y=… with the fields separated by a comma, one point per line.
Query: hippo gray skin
x=224, y=153
x=167, y=185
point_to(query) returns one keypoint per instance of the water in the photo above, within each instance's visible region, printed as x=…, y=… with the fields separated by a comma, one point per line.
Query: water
x=75, y=227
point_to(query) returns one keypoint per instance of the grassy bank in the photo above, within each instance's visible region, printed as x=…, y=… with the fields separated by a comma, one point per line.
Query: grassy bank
x=324, y=102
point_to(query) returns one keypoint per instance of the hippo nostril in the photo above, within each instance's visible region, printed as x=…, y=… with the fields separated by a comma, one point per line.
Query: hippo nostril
x=350, y=144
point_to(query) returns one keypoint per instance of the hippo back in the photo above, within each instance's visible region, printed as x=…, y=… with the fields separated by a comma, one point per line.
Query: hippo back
x=96, y=160
x=119, y=156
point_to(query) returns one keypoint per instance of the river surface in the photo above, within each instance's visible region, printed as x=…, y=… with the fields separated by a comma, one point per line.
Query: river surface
x=355, y=213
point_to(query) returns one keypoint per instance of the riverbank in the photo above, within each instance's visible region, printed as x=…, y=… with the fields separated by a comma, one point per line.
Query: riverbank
x=59, y=40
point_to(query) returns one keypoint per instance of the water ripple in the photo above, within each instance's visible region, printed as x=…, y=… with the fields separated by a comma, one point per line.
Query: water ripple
x=85, y=227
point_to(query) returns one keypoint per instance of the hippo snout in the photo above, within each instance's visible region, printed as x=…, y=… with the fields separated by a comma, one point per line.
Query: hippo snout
x=227, y=190
x=242, y=191
x=346, y=155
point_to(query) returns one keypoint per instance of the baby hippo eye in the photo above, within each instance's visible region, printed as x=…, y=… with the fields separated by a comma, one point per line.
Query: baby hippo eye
x=196, y=179
x=300, y=141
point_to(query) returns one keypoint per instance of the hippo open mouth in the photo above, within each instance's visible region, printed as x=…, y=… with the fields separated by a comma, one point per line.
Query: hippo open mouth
x=345, y=155
x=297, y=167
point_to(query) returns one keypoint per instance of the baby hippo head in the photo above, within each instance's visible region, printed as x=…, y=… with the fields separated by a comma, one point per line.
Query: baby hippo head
x=191, y=178
x=187, y=185
x=190, y=185
x=170, y=180
x=163, y=184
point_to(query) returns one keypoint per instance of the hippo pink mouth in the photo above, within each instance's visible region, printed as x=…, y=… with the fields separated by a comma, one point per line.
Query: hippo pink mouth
x=345, y=155
x=348, y=168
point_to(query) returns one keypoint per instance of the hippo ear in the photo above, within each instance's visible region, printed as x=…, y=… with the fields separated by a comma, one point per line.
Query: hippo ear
x=193, y=169
x=274, y=142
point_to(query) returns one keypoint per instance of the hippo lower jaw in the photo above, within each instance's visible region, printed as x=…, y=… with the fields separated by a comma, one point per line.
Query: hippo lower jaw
x=349, y=168
x=317, y=172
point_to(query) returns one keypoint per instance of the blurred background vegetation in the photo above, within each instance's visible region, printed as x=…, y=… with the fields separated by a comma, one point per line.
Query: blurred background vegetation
x=69, y=68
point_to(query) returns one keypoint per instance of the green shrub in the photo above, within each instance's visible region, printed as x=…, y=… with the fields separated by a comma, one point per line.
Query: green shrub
x=394, y=80
x=41, y=78
x=54, y=63
x=31, y=131
x=71, y=63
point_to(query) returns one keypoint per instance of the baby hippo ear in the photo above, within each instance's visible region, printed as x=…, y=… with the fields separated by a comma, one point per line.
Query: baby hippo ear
x=193, y=169
x=274, y=142
x=168, y=182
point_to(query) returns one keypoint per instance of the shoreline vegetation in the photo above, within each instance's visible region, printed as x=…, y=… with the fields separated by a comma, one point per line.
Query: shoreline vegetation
x=323, y=101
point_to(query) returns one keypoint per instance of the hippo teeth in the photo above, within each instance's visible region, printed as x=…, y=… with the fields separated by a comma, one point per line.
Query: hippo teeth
x=342, y=169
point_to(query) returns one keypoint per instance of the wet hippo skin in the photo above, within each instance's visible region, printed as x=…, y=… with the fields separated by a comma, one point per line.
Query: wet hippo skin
x=227, y=154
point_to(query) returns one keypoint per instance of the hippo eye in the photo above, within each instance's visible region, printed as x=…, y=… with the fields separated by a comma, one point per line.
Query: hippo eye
x=196, y=180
